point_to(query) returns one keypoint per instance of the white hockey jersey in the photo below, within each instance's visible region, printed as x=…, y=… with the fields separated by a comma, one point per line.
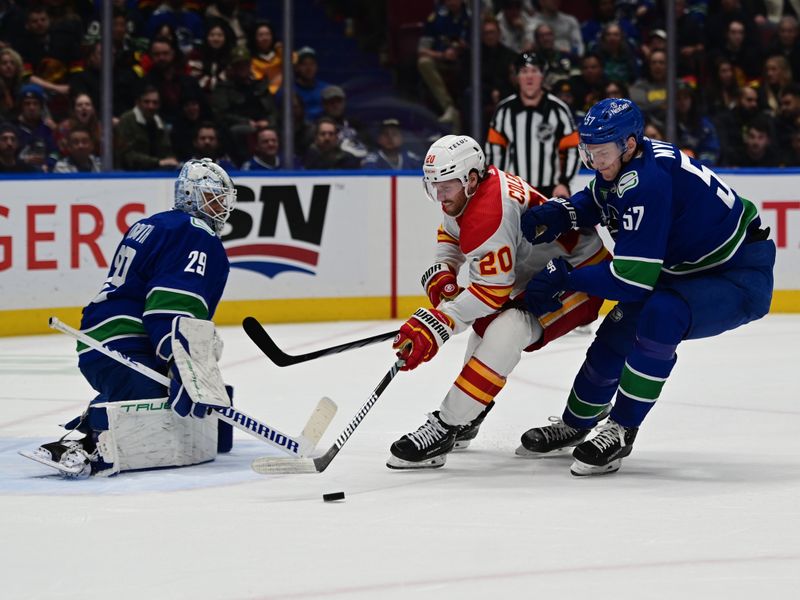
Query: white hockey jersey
x=500, y=260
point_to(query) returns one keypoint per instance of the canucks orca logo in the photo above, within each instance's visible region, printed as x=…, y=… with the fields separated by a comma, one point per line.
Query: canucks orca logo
x=628, y=181
x=253, y=246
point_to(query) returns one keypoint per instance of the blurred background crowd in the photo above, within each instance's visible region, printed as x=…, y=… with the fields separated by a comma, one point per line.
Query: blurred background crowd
x=376, y=81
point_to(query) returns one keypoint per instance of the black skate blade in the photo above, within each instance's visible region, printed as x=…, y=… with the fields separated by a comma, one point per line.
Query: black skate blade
x=523, y=452
x=405, y=465
x=582, y=469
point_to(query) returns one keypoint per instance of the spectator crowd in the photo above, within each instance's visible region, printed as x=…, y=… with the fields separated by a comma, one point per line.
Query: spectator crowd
x=194, y=79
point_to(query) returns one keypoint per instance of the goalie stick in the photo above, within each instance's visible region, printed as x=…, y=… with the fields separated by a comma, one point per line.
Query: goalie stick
x=267, y=464
x=300, y=445
x=261, y=338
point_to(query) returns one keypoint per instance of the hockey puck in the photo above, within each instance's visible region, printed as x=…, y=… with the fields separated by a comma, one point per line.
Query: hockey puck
x=332, y=497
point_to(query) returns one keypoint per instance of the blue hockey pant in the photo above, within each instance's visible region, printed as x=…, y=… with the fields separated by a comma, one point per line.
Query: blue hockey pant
x=115, y=382
x=634, y=349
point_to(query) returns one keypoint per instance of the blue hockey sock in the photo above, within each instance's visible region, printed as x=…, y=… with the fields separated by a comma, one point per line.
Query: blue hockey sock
x=594, y=387
x=663, y=323
x=643, y=377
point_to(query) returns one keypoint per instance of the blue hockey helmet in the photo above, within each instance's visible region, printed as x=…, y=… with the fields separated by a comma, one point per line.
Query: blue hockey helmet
x=610, y=120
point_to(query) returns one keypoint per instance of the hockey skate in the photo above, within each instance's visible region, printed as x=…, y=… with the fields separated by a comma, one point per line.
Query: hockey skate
x=425, y=448
x=550, y=439
x=69, y=457
x=604, y=452
x=554, y=439
x=466, y=433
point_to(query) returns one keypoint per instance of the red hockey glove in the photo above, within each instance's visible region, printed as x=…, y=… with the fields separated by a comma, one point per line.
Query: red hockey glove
x=419, y=338
x=439, y=282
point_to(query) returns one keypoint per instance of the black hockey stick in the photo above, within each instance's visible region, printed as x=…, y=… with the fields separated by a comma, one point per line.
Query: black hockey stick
x=269, y=464
x=261, y=338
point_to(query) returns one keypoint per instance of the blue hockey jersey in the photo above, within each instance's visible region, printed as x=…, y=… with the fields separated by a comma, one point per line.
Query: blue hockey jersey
x=669, y=216
x=168, y=264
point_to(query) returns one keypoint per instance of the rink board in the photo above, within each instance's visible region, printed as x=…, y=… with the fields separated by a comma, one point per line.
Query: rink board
x=302, y=246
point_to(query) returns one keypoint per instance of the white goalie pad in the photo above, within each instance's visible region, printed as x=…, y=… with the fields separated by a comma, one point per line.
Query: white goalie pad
x=147, y=434
x=193, y=349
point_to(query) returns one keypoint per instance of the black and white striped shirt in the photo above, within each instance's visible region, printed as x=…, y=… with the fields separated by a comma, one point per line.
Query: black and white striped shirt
x=539, y=144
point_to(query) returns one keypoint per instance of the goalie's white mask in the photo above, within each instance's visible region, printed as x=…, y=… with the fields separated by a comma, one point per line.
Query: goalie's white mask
x=452, y=157
x=203, y=189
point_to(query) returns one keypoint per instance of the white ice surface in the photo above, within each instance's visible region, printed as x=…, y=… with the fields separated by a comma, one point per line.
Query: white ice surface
x=707, y=506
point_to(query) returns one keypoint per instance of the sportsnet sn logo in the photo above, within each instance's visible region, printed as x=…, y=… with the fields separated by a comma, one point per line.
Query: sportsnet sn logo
x=251, y=242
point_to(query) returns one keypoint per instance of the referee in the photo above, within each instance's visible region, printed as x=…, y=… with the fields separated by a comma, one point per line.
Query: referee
x=532, y=133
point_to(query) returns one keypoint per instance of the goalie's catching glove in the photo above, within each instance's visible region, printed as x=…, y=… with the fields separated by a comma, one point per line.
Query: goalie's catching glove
x=420, y=337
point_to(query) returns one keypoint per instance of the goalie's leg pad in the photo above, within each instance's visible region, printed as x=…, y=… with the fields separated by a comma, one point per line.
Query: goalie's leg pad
x=146, y=434
x=114, y=382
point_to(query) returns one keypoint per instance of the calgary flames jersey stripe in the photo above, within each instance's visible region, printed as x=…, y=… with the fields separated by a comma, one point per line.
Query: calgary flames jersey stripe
x=569, y=302
x=479, y=382
x=492, y=296
x=485, y=372
x=483, y=216
x=445, y=238
x=597, y=257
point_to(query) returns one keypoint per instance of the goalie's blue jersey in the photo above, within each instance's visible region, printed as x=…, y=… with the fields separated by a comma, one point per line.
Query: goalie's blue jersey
x=669, y=217
x=167, y=264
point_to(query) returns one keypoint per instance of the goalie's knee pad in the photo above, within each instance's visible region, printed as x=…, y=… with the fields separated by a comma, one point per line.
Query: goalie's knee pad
x=146, y=434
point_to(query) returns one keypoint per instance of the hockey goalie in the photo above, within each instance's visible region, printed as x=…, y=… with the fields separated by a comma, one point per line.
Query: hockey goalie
x=155, y=306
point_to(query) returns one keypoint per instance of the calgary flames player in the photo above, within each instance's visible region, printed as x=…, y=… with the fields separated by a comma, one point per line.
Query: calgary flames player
x=481, y=227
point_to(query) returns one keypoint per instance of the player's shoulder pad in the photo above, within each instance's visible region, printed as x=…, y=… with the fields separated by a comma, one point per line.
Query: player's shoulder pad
x=483, y=214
